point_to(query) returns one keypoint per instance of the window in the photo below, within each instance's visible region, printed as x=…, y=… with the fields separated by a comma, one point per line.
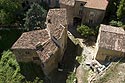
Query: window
x=27, y=53
x=57, y=3
x=36, y=58
x=81, y=4
x=81, y=9
x=49, y=21
x=92, y=14
x=90, y=21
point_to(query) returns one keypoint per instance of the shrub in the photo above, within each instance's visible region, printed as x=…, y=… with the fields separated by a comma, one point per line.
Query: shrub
x=113, y=23
x=116, y=23
x=86, y=31
x=71, y=78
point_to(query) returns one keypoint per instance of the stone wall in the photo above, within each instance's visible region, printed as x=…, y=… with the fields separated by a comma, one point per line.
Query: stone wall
x=92, y=16
x=70, y=12
x=52, y=63
x=106, y=54
x=63, y=42
x=88, y=15
x=25, y=55
x=78, y=9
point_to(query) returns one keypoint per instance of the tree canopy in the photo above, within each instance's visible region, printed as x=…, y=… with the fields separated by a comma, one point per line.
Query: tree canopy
x=35, y=17
x=115, y=13
x=87, y=31
x=10, y=71
x=121, y=10
x=8, y=10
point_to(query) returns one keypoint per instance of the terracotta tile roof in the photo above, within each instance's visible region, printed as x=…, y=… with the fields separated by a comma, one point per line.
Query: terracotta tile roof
x=57, y=16
x=58, y=20
x=112, y=38
x=48, y=50
x=30, y=39
x=67, y=2
x=97, y=4
x=56, y=31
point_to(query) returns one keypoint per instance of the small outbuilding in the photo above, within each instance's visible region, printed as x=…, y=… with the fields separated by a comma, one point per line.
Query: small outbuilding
x=110, y=43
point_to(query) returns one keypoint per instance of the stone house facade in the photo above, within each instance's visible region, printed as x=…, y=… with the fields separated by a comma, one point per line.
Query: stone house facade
x=110, y=43
x=89, y=12
x=44, y=47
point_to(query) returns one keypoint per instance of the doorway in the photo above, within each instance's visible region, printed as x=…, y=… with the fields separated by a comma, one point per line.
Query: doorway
x=77, y=21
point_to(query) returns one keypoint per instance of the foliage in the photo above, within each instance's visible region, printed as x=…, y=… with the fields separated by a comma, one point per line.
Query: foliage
x=115, y=13
x=116, y=23
x=86, y=31
x=8, y=10
x=10, y=71
x=79, y=58
x=121, y=10
x=71, y=78
x=35, y=17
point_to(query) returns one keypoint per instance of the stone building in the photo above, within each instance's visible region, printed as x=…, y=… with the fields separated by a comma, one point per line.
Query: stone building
x=110, y=43
x=56, y=20
x=89, y=12
x=86, y=11
x=44, y=47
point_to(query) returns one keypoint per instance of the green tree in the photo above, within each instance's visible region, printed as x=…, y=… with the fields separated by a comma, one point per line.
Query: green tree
x=121, y=10
x=8, y=10
x=86, y=31
x=35, y=17
x=9, y=69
